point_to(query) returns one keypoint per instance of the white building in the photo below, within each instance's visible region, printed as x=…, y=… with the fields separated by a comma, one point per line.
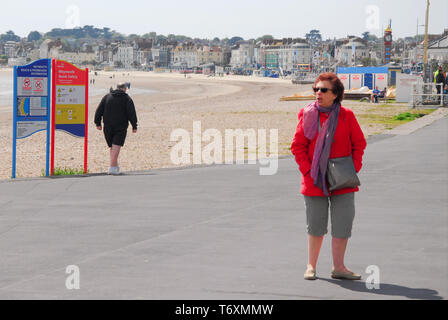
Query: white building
x=352, y=52
x=416, y=54
x=77, y=57
x=125, y=55
x=284, y=54
x=292, y=54
x=33, y=54
x=106, y=55
x=16, y=61
x=438, y=49
x=243, y=54
x=143, y=57
x=44, y=48
x=10, y=49
x=186, y=55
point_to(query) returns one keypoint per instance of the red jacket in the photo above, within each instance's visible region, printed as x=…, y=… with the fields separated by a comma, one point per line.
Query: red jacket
x=348, y=140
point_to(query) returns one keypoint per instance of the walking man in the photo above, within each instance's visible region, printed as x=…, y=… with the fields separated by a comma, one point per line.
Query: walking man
x=117, y=110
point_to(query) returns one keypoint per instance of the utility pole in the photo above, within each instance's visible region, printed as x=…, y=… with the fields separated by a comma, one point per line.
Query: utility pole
x=425, y=50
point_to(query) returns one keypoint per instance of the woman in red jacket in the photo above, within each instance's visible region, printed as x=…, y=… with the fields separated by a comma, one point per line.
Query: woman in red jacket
x=327, y=130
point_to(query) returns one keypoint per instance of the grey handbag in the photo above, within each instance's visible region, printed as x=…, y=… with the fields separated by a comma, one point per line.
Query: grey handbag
x=341, y=173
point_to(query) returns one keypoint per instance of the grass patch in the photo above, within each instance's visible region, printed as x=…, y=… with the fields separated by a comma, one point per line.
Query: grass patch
x=65, y=172
x=408, y=116
x=390, y=119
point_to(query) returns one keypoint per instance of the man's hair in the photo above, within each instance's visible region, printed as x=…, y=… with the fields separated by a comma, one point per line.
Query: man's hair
x=121, y=85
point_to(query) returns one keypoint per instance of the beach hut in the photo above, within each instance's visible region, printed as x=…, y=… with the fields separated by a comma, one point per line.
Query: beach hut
x=357, y=77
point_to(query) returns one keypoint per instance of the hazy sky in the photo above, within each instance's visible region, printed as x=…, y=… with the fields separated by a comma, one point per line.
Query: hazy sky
x=227, y=18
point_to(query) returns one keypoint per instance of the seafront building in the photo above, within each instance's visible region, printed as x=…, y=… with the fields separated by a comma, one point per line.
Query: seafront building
x=352, y=51
x=288, y=54
x=242, y=55
x=213, y=54
x=185, y=56
x=124, y=56
x=285, y=54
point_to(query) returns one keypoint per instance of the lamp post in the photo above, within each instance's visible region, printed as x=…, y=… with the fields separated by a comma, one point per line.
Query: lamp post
x=425, y=50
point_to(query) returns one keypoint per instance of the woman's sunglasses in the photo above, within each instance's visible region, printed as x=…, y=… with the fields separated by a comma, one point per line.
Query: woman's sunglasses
x=323, y=90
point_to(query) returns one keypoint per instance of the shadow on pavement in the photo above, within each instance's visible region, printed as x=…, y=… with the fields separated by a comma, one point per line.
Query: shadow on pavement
x=388, y=289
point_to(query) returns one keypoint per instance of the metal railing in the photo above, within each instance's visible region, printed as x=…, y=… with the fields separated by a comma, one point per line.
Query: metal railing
x=425, y=95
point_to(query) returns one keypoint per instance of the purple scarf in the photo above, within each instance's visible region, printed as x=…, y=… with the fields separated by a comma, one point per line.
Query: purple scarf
x=311, y=122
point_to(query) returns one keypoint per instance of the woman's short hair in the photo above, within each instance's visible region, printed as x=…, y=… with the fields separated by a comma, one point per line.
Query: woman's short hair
x=338, y=87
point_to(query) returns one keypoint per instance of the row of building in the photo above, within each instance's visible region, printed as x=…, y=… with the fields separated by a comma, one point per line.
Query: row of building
x=285, y=53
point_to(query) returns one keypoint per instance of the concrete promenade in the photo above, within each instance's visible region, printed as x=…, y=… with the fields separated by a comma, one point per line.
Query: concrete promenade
x=225, y=232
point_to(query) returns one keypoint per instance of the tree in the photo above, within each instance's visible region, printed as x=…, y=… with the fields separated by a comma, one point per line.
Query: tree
x=160, y=39
x=368, y=62
x=106, y=33
x=234, y=40
x=365, y=35
x=181, y=38
x=150, y=35
x=265, y=37
x=9, y=36
x=314, y=37
x=34, y=36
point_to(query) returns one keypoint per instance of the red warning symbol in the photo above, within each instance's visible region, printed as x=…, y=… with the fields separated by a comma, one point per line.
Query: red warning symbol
x=38, y=84
x=27, y=83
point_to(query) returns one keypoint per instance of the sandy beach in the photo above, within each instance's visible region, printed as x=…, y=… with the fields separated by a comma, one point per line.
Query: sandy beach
x=165, y=102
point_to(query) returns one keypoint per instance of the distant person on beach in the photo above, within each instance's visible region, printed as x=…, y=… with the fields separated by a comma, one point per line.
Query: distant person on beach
x=375, y=94
x=117, y=110
x=327, y=130
x=383, y=93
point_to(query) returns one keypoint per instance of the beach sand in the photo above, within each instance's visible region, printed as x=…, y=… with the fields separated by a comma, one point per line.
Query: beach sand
x=165, y=102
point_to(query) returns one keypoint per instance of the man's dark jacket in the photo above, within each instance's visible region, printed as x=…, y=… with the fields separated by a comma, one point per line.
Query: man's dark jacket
x=440, y=77
x=116, y=109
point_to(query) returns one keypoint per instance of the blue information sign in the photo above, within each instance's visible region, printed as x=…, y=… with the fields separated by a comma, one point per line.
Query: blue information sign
x=31, y=104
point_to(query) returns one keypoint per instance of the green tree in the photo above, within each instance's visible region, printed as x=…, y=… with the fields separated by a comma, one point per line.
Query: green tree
x=160, y=39
x=265, y=37
x=9, y=36
x=368, y=62
x=34, y=36
x=365, y=35
x=314, y=37
x=234, y=40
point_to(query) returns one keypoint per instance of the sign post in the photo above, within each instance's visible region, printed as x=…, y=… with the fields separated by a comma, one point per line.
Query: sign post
x=69, y=103
x=31, y=104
